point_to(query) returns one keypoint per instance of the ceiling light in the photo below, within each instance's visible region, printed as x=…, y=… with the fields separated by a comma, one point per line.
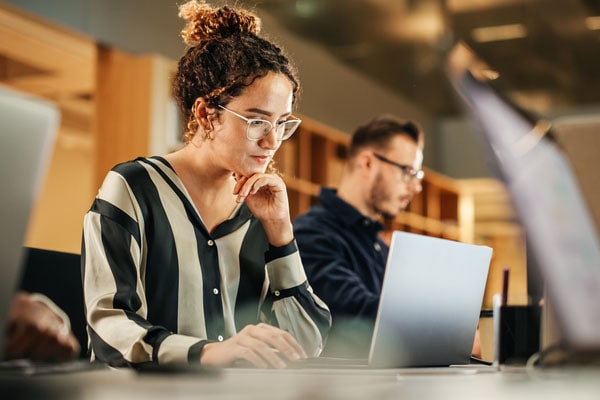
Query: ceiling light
x=499, y=32
x=307, y=8
x=593, y=23
x=462, y=6
x=425, y=25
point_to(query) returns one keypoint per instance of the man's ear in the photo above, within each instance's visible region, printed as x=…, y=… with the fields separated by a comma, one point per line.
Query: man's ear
x=365, y=162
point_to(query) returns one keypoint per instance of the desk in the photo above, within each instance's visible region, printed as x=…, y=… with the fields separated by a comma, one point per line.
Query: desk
x=309, y=384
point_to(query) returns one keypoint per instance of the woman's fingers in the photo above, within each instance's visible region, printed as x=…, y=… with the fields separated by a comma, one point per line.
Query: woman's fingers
x=276, y=343
x=262, y=345
x=240, y=181
x=295, y=351
x=246, y=186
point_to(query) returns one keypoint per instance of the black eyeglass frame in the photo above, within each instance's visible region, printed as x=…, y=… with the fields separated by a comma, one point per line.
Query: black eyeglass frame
x=407, y=170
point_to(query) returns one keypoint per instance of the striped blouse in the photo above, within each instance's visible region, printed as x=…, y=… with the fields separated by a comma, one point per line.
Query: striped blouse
x=158, y=285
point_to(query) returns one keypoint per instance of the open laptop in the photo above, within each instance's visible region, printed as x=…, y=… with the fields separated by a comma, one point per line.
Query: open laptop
x=29, y=127
x=547, y=196
x=429, y=306
x=430, y=302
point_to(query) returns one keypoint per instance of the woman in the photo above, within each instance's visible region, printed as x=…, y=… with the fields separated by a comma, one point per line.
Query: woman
x=187, y=256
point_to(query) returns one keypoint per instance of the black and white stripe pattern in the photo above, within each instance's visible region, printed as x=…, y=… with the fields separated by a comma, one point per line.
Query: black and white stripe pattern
x=158, y=285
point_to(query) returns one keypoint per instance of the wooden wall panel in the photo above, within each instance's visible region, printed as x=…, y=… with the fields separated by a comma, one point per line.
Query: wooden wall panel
x=123, y=109
x=43, y=59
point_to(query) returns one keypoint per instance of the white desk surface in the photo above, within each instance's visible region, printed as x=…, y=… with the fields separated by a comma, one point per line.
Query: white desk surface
x=513, y=384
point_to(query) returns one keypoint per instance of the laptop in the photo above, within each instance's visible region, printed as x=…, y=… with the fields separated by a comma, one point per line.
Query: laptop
x=429, y=306
x=29, y=127
x=548, y=199
x=430, y=302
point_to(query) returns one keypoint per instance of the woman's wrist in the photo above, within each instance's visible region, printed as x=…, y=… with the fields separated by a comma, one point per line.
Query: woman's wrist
x=279, y=234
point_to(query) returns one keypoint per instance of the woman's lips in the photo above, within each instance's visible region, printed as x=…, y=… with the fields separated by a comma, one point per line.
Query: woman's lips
x=262, y=159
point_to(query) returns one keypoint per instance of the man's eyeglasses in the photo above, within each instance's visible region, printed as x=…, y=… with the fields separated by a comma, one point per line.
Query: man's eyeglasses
x=408, y=172
x=259, y=128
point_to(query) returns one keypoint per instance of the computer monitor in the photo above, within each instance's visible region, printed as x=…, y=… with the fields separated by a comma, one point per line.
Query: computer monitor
x=559, y=227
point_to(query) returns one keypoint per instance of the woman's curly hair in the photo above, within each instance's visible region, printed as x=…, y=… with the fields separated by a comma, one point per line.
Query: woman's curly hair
x=225, y=55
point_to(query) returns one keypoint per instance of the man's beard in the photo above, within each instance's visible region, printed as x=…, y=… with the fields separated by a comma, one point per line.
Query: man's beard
x=380, y=195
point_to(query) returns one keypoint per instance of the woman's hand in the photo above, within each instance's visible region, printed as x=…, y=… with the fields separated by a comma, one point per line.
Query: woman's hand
x=266, y=197
x=261, y=345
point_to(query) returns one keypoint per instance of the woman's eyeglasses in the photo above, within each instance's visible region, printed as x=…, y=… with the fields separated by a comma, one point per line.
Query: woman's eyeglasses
x=259, y=128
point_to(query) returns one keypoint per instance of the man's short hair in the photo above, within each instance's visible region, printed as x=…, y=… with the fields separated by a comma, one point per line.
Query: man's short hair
x=380, y=130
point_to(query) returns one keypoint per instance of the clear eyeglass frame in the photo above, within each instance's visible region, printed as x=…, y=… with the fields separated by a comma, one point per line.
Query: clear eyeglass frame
x=408, y=172
x=258, y=128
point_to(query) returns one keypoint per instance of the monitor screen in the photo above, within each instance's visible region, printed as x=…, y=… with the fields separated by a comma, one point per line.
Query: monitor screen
x=544, y=190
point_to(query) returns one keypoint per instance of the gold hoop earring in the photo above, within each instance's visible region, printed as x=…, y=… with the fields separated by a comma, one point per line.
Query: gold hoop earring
x=208, y=127
x=208, y=134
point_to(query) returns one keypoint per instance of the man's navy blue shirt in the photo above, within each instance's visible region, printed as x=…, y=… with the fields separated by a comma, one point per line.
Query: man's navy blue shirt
x=344, y=258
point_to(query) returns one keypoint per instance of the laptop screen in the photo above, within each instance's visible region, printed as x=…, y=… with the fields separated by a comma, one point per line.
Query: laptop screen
x=26, y=140
x=545, y=192
x=430, y=302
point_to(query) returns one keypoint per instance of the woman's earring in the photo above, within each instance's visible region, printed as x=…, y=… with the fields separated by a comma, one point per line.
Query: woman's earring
x=203, y=119
x=208, y=130
x=208, y=134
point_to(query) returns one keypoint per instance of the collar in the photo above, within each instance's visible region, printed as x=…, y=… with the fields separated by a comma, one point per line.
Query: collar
x=346, y=213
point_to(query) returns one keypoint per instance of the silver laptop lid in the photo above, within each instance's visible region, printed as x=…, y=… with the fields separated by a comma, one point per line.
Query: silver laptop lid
x=430, y=302
x=547, y=197
x=28, y=128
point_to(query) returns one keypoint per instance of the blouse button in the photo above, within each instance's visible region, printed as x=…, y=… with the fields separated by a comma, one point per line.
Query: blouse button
x=211, y=243
x=215, y=291
x=377, y=246
x=220, y=338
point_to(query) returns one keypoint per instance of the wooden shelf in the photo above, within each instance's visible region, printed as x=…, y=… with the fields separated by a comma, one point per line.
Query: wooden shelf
x=313, y=157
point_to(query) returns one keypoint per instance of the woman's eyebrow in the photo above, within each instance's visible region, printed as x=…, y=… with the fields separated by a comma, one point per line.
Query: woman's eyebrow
x=266, y=113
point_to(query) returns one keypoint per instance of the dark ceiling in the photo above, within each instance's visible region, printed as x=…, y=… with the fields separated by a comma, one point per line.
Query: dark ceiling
x=546, y=51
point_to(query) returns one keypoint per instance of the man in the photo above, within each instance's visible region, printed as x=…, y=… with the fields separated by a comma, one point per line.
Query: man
x=339, y=241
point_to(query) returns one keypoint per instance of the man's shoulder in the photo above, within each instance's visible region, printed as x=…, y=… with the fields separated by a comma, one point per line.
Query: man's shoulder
x=318, y=225
x=314, y=217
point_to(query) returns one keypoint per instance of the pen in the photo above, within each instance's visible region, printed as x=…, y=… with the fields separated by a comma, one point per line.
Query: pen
x=505, y=274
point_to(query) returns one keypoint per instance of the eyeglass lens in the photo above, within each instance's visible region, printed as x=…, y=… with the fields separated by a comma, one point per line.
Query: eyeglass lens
x=259, y=128
x=408, y=172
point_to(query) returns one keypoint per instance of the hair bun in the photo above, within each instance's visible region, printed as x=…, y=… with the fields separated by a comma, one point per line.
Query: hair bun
x=205, y=22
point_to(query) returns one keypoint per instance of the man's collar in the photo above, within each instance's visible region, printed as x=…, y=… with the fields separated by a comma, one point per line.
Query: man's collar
x=347, y=213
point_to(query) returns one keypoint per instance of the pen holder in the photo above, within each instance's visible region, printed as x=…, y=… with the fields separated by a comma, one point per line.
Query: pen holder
x=517, y=333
